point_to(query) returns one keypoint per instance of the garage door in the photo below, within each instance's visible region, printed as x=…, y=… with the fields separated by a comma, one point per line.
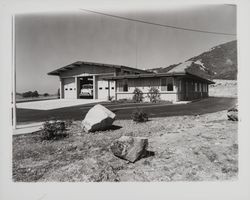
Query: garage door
x=105, y=89
x=69, y=88
x=102, y=89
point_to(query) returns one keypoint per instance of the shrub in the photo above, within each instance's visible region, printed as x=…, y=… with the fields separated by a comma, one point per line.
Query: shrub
x=27, y=94
x=45, y=94
x=30, y=94
x=139, y=116
x=153, y=95
x=35, y=94
x=54, y=130
x=138, y=95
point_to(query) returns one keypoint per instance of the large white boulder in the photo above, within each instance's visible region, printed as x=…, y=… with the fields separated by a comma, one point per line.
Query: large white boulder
x=98, y=118
x=129, y=148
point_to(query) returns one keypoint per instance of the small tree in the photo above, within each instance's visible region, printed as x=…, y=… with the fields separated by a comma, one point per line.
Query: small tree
x=153, y=95
x=35, y=94
x=138, y=95
x=27, y=94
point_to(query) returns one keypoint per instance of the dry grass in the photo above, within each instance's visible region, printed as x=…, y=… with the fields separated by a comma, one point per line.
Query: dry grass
x=223, y=88
x=187, y=148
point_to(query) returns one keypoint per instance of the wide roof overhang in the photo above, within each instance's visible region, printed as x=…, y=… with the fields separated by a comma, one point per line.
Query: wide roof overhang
x=156, y=75
x=82, y=63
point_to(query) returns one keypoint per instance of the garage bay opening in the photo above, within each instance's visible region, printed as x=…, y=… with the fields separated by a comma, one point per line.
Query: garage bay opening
x=86, y=87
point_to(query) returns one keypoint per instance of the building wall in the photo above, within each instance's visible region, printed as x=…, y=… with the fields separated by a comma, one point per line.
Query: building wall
x=144, y=84
x=102, y=88
x=183, y=89
x=192, y=89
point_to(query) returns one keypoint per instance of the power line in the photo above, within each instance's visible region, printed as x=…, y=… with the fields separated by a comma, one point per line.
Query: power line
x=157, y=24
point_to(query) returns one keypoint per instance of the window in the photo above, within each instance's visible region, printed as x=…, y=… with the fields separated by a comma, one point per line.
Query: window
x=180, y=85
x=167, y=84
x=195, y=87
x=200, y=84
x=66, y=88
x=112, y=88
x=100, y=88
x=106, y=88
x=123, y=86
x=204, y=87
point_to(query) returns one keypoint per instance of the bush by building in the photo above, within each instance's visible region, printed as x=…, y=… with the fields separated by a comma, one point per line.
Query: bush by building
x=138, y=95
x=153, y=95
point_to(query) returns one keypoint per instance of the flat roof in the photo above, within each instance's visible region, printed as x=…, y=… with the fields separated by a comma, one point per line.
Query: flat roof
x=80, y=63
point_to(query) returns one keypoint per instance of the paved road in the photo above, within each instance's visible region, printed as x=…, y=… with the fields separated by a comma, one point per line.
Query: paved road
x=123, y=111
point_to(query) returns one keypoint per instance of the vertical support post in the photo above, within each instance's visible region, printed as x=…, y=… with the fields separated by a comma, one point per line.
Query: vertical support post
x=94, y=87
x=61, y=89
x=108, y=90
x=207, y=89
x=76, y=88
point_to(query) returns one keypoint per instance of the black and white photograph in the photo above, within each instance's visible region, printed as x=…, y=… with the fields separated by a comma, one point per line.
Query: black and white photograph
x=126, y=96
x=143, y=95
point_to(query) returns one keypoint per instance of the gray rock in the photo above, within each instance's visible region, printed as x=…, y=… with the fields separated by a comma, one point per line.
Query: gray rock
x=232, y=113
x=98, y=118
x=129, y=148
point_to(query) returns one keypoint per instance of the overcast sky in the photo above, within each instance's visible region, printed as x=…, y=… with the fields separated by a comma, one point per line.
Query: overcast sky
x=47, y=41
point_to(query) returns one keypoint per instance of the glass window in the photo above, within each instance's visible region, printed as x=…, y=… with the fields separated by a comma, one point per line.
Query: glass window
x=195, y=87
x=167, y=84
x=123, y=86
x=180, y=82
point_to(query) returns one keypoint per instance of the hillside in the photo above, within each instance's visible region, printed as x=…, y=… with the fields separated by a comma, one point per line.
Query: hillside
x=220, y=61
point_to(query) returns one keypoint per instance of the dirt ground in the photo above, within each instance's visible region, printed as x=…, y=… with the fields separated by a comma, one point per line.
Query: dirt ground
x=186, y=148
x=223, y=88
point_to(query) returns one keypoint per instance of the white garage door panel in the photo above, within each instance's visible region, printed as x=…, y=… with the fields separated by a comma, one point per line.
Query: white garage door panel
x=69, y=88
x=105, y=89
x=112, y=88
x=102, y=89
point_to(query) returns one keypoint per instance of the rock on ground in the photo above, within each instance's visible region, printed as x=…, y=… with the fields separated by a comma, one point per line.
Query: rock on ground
x=129, y=148
x=232, y=113
x=98, y=118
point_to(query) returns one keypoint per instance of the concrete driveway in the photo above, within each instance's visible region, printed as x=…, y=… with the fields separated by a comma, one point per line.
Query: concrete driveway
x=55, y=103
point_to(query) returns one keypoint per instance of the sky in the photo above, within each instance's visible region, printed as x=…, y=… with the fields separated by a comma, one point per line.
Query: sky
x=47, y=41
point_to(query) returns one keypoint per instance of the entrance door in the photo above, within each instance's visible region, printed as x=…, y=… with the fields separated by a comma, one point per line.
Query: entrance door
x=69, y=88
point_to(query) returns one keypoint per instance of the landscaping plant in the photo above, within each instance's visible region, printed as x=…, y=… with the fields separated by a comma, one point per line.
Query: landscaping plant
x=54, y=129
x=138, y=95
x=139, y=116
x=153, y=95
